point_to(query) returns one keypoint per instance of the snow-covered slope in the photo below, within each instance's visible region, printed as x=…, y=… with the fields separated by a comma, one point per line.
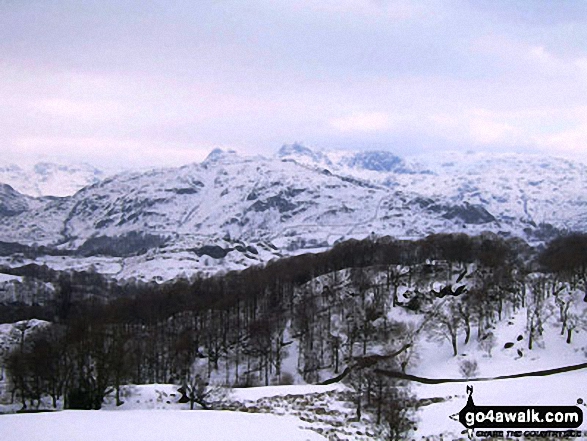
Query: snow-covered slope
x=12, y=202
x=230, y=211
x=530, y=189
x=48, y=179
x=331, y=410
x=153, y=425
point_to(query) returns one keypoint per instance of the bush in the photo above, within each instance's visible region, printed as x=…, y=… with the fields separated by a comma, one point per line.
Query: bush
x=469, y=369
x=487, y=343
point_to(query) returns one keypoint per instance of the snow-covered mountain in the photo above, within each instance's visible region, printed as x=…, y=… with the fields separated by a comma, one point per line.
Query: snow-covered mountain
x=530, y=189
x=230, y=211
x=48, y=179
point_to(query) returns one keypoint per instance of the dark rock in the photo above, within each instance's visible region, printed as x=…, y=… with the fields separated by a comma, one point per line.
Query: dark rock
x=187, y=190
x=279, y=202
x=470, y=214
x=130, y=244
x=380, y=161
x=213, y=251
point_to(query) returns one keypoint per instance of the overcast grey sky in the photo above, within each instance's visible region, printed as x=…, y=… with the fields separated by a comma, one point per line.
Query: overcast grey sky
x=136, y=83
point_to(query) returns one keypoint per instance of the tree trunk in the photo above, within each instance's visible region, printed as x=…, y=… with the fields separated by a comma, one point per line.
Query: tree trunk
x=467, y=330
x=453, y=340
x=359, y=396
x=118, y=402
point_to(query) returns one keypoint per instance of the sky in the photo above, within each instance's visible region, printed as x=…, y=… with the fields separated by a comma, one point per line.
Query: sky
x=123, y=83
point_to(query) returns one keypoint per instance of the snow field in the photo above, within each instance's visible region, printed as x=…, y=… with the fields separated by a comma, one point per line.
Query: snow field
x=152, y=425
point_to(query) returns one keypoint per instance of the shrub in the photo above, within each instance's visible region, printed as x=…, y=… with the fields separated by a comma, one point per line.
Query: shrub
x=469, y=368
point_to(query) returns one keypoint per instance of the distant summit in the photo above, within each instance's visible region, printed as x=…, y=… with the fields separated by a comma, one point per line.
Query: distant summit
x=219, y=155
x=380, y=161
x=338, y=160
x=49, y=179
x=303, y=155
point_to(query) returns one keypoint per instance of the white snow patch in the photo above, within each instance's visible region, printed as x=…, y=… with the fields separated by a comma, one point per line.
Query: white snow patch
x=9, y=278
x=152, y=425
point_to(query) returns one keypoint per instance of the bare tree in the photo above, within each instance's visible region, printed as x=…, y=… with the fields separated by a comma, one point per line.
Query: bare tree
x=197, y=389
x=487, y=343
x=445, y=324
x=535, y=315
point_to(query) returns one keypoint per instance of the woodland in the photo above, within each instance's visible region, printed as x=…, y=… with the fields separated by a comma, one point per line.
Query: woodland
x=345, y=314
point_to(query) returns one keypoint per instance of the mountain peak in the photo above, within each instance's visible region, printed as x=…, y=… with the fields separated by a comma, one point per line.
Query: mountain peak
x=370, y=160
x=295, y=149
x=11, y=201
x=302, y=154
x=376, y=160
x=219, y=155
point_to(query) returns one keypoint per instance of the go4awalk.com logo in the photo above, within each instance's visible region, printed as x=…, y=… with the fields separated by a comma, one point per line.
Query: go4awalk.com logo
x=483, y=420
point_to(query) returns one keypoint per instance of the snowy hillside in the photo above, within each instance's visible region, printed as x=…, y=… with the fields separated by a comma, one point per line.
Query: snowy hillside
x=314, y=412
x=230, y=212
x=528, y=189
x=351, y=344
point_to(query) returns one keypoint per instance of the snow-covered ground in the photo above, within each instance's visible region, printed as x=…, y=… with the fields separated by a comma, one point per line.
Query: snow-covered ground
x=9, y=278
x=153, y=425
x=256, y=393
x=151, y=412
x=550, y=352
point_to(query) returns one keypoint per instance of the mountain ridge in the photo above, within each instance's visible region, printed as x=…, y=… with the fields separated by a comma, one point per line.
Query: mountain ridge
x=206, y=217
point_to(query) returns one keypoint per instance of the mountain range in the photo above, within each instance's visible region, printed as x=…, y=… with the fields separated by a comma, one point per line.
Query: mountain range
x=49, y=179
x=230, y=211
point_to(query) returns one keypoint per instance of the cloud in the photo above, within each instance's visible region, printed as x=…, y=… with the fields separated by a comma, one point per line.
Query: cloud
x=486, y=131
x=108, y=153
x=95, y=110
x=570, y=138
x=549, y=129
x=570, y=141
x=154, y=82
x=364, y=122
x=396, y=9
